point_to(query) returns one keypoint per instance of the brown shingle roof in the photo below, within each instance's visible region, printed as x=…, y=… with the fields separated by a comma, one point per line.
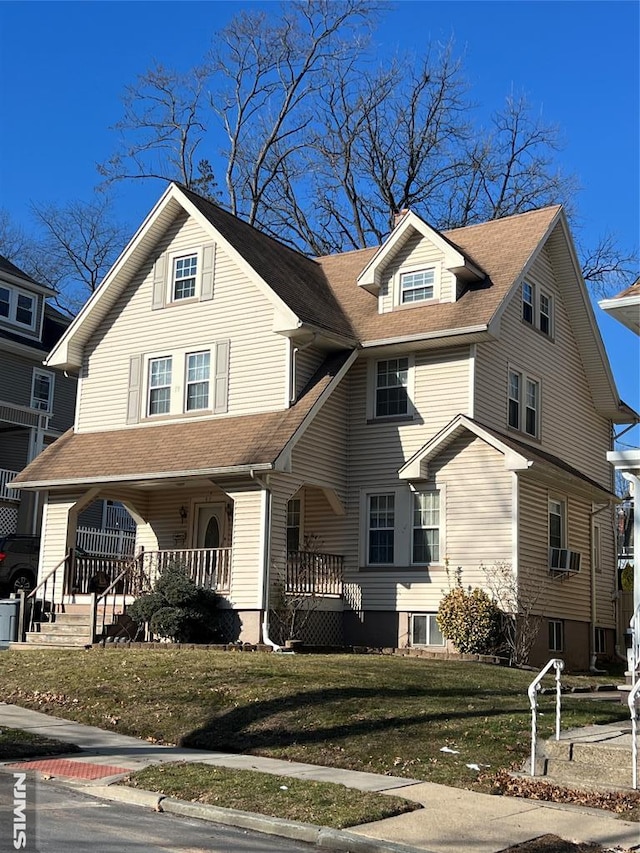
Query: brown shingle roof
x=173, y=449
x=634, y=290
x=501, y=248
x=299, y=281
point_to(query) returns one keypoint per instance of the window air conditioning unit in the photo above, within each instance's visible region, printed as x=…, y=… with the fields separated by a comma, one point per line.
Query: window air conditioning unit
x=563, y=561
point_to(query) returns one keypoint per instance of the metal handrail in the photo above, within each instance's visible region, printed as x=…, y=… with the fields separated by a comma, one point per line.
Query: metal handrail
x=101, y=598
x=632, y=700
x=634, y=626
x=532, y=692
x=33, y=597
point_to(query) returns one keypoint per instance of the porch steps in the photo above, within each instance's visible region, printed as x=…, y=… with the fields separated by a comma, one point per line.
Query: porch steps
x=71, y=629
x=598, y=757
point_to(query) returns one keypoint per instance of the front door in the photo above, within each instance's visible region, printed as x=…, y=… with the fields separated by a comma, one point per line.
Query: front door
x=210, y=526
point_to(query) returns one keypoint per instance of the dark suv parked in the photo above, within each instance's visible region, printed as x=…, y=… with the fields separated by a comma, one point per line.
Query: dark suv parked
x=19, y=561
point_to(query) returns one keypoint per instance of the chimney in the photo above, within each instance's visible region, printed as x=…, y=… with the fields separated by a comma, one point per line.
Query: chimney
x=399, y=215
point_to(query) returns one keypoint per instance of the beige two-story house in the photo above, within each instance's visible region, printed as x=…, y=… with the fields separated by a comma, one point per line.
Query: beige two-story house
x=347, y=426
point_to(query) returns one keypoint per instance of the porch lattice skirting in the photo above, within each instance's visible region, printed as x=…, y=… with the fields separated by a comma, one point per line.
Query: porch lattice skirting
x=8, y=518
x=323, y=628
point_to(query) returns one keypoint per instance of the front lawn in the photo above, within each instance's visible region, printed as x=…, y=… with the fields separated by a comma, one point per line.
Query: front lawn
x=381, y=714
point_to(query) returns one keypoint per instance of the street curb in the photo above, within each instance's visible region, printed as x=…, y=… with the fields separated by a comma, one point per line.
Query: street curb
x=320, y=836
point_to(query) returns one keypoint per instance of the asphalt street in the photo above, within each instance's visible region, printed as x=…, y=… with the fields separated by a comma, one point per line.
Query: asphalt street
x=69, y=822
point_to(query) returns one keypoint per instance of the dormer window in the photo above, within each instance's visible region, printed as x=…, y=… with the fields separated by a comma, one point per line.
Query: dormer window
x=417, y=286
x=185, y=271
x=17, y=306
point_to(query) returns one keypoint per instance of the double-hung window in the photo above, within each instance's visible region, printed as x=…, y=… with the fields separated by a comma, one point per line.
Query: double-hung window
x=185, y=271
x=523, y=407
x=545, y=314
x=556, y=635
x=159, y=386
x=42, y=390
x=417, y=286
x=527, y=302
x=426, y=527
x=197, y=380
x=425, y=630
x=391, y=389
x=17, y=306
x=293, y=524
x=381, y=529
x=557, y=523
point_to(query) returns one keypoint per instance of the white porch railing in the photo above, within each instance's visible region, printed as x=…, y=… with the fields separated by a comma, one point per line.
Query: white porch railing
x=6, y=476
x=634, y=651
x=117, y=518
x=106, y=543
x=207, y=567
x=532, y=692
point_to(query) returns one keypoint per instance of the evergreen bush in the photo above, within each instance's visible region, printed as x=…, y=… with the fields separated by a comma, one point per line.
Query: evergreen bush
x=471, y=620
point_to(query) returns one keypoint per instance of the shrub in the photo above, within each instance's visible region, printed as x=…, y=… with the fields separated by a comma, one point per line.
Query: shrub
x=471, y=620
x=177, y=609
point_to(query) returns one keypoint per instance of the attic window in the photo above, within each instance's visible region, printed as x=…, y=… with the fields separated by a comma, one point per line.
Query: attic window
x=527, y=302
x=185, y=270
x=417, y=286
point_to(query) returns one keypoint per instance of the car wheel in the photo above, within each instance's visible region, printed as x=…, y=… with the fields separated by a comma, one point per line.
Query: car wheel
x=22, y=581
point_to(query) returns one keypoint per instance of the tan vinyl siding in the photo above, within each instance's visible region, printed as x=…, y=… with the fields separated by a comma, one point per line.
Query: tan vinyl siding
x=567, y=598
x=570, y=426
x=320, y=456
x=476, y=525
x=417, y=253
x=308, y=360
x=64, y=402
x=14, y=449
x=56, y=538
x=320, y=524
x=238, y=312
x=606, y=579
x=247, y=561
x=283, y=487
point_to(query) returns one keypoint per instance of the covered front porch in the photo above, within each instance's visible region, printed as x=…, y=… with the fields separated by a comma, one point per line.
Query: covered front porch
x=249, y=539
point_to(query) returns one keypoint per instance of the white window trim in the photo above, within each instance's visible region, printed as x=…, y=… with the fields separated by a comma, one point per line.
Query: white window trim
x=536, y=307
x=14, y=293
x=522, y=416
x=211, y=389
x=148, y=389
x=372, y=378
x=427, y=616
x=441, y=489
x=403, y=527
x=171, y=259
x=178, y=395
x=299, y=496
x=37, y=371
x=414, y=268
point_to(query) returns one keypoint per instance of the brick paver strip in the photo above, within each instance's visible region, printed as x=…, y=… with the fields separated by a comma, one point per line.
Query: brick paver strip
x=72, y=769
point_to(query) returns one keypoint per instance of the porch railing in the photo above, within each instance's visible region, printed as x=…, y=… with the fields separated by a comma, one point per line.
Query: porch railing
x=207, y=567
x=6, y=476
x=114, y=543
x=534, y=687
x=311, y=573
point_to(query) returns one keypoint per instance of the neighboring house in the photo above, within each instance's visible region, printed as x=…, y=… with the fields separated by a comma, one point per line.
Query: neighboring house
x=625, y=307
x=444, y=399
x=36, y=402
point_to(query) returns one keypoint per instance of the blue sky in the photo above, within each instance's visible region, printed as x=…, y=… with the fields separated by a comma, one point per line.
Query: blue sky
x=64, y=66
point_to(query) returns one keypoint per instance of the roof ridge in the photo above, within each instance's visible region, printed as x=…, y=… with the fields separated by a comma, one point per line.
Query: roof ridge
x=497, y=219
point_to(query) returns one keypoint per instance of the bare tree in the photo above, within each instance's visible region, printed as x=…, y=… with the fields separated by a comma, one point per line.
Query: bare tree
x=320, y=144
x=162, y=130
x=518, y=598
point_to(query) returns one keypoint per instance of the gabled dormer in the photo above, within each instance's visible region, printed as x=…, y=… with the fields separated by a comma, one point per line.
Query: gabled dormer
x=21, y=303
x=417, y=266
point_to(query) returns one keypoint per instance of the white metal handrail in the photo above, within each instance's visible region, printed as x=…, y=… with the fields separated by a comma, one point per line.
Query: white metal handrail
x=532, y=691
x=632, y=699
x=634, y=626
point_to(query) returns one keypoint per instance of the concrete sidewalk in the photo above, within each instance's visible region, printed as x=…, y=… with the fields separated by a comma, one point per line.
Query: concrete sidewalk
x=451, y=820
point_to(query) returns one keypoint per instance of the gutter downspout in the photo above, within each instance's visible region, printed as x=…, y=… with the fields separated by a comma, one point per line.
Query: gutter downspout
x=293, y=394
x=266, y=560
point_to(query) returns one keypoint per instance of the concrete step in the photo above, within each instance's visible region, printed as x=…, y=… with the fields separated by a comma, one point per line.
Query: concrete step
x=76, y=627
x=573, y=774
x=72, y=619
x=76, y=608
x=52, y=638
x=30, y=646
